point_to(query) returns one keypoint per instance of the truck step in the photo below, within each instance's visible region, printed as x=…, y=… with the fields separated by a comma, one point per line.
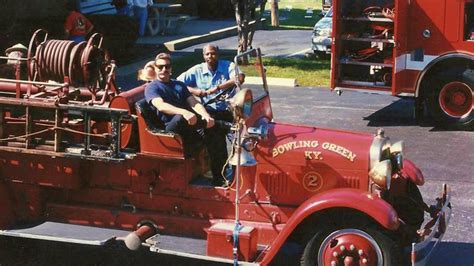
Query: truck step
x=69, y=233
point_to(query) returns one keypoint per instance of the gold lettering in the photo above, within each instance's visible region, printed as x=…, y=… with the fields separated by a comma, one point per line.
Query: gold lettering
x=288, y=146
x=281, y=149
x=312, y=155
x=339, y=150
x=351, y=157
x=275, y=152
x=317, y=155
x=325, y=145
x=306, y=144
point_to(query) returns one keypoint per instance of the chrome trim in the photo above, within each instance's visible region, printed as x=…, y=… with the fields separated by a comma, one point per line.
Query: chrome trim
x=338, y=88
x=445, y=212
x=379, y=144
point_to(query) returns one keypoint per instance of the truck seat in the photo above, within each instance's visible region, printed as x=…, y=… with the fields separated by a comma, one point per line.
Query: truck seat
x=153, y=124
x=154, y=139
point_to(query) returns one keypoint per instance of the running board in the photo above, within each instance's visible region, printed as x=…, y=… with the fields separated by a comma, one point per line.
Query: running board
x=187, y=247
x=69, y=233
x=88, y=235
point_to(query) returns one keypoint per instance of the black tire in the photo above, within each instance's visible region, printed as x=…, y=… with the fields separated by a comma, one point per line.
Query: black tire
x=450, y=103
x=389, y=252
x=410, y=207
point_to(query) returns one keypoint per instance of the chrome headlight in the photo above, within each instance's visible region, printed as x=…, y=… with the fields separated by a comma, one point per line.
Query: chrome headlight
x=380, y=149
x=380, y=168
x=241, y=104
x=381, y=174
x=396, y=154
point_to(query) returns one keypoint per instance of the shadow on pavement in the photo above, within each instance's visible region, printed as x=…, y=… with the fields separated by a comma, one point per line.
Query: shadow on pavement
x=401, y=113
x=453, y=253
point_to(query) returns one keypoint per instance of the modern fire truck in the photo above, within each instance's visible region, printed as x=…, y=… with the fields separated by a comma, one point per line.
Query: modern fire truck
x=418, y=48
x=83, y=162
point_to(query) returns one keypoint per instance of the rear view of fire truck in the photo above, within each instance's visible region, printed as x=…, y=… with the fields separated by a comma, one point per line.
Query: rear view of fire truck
x=418, y=48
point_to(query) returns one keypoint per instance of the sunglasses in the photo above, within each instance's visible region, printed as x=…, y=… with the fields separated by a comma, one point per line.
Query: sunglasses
x=160, y=67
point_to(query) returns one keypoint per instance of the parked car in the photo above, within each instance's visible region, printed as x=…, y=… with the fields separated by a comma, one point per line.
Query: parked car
x=321, y=38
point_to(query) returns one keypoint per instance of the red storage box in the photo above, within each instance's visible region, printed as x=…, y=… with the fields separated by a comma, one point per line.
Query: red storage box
x=220, y=241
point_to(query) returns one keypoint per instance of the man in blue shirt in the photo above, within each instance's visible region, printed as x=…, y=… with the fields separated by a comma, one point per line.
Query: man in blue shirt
x=183, y=114
x=209, y=78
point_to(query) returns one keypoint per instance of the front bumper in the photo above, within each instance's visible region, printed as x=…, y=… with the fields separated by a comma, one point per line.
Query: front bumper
x=432, y=233
x=321, y=44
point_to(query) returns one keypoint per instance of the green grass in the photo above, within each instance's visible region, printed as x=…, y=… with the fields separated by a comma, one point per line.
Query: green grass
x=296, y=17
x=308, y=72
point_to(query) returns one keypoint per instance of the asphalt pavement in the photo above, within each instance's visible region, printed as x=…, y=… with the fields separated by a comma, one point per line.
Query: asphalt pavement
x=444, y=156
x=273, y=43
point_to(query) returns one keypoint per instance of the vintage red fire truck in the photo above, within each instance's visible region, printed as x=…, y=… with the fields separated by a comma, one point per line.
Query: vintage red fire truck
x=83, y=162
x=417, y=48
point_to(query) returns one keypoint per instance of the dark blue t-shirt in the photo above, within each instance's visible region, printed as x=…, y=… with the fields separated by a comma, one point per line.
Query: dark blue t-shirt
x=174, y=93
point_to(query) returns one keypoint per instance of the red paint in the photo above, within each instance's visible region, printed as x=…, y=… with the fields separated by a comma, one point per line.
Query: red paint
x=426, y=36
x=412, y=172
x=300, y=171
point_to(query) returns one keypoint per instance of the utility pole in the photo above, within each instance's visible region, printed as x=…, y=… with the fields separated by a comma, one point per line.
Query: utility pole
x=275, y=16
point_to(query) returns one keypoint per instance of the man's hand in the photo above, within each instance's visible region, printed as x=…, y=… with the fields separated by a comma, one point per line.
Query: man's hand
x=212, y=90
x=191, y=118
x=209, y=121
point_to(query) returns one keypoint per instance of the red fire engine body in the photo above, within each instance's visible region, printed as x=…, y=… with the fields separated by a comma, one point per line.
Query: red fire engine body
x=418, y=48
x=82, y=162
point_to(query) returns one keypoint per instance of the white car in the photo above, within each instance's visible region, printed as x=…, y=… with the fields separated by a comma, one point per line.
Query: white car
x=321, y=39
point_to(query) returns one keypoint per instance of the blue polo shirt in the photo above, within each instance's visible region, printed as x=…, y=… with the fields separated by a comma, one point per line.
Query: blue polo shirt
x=174, y=92
x=200, y=76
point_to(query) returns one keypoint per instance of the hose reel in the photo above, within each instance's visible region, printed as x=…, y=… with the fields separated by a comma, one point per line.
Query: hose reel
x=85, y=64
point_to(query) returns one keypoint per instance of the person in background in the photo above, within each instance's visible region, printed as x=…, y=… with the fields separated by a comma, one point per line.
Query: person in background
x=77, y=26
x=140, y=12
x=209, y=78
x=122, y=7
x=182, y=113
x=148, y=73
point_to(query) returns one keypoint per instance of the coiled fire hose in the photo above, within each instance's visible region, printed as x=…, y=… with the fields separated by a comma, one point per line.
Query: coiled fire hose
x=85, y=64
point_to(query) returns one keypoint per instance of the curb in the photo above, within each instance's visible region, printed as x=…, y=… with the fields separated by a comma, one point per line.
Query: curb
x=285, y=82
x=208, y=37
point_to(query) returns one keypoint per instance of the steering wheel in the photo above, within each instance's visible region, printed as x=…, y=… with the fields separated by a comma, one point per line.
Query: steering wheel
x=217, y=97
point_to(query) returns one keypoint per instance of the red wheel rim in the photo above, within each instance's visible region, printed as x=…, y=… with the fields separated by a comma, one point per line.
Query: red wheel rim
x=350, y=247
x=455, y=99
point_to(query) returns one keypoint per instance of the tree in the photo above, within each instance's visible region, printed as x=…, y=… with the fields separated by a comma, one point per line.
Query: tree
x=247, y=21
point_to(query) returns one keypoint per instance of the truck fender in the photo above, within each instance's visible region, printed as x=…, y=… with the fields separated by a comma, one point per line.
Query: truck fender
x=411, y=172
x=7, y=216
x=376, y=208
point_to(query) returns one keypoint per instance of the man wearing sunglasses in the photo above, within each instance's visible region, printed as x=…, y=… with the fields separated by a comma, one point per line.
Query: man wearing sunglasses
x=182, y=113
